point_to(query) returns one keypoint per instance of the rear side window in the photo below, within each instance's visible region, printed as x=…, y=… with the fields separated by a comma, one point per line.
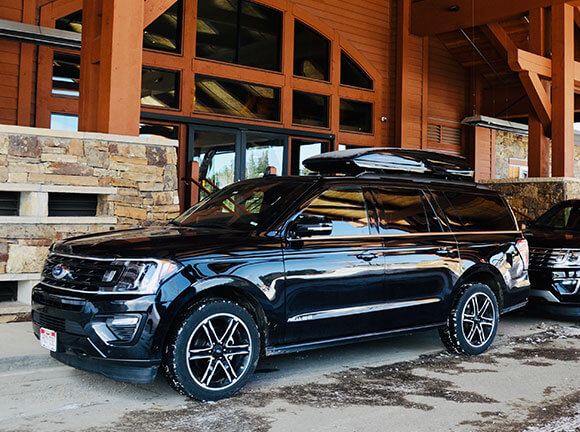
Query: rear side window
x=345, y=208
x=475, y=212
x=403, y=211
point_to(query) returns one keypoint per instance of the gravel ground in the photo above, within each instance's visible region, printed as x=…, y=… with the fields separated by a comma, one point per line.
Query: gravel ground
x=529, y=381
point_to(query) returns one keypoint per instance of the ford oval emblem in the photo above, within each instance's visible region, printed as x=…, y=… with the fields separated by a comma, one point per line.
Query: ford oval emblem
x=60, y=271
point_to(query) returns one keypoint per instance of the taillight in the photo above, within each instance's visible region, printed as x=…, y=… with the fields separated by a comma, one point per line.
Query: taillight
x=524, y=251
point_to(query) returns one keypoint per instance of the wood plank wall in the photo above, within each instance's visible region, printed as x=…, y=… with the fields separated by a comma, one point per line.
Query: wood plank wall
x=17, y=67
x=9, y=65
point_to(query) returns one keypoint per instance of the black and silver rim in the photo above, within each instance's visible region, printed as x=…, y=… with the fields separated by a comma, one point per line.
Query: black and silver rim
x=478, y=319
x=219, y=351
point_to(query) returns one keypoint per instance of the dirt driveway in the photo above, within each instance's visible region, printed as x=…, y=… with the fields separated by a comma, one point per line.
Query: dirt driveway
x=529, y=381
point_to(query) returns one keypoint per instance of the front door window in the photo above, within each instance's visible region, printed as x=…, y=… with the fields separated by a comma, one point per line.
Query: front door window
x=262, y=154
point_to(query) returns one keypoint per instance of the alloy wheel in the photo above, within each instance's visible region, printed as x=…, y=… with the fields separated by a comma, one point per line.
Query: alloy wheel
x=218, y=351
x=478, y=319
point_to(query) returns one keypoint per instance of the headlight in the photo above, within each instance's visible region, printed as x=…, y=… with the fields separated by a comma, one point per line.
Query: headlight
x=139, y=277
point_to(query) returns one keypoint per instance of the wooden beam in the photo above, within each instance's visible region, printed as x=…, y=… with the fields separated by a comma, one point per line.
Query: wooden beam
x=521, y=60
x=25, y=69
x=154, y=9
x=470, y=13
x=499, y=38
x=401, y=119
x=538, y=142
x=563, y=66
x=539, y=98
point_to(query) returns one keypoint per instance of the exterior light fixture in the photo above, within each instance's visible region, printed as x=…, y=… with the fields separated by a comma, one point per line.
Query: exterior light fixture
x=497, y=124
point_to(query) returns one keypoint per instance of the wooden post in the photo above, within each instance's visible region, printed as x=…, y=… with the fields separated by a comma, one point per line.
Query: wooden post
x=538, y=143
x=403, y=35
x=562, y=90
x=111, y=62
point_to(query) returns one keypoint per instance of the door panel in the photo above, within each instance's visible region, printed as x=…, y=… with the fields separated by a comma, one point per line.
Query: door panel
x=421, y=261
x=332, y=280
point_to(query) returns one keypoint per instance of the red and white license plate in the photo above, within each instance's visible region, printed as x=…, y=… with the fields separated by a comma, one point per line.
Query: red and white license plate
x=48, y=339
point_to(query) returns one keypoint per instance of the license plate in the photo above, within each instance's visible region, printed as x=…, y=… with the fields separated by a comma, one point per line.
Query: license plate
x=48, y=339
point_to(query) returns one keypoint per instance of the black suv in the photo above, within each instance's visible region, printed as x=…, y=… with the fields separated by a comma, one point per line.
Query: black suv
x=380, y=242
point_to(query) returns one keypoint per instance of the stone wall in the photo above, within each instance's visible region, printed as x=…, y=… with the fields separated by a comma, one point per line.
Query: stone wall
x=509, y=145
x=135, y=180
x=531, y=197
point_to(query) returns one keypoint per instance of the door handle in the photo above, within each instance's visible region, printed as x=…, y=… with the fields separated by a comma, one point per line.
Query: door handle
x=367, y=256
x=443, y=251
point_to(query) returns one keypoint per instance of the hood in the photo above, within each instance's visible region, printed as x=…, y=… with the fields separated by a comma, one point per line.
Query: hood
x=170, y=242
x=552, y=238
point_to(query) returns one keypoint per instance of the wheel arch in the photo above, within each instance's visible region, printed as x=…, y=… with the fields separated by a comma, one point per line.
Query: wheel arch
x=485, y=274
x=237, y=290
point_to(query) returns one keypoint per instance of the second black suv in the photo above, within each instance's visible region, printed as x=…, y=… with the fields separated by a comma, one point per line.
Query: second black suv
x=402, y=241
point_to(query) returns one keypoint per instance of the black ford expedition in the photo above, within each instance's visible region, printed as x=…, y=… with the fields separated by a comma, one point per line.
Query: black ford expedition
x=379, y=242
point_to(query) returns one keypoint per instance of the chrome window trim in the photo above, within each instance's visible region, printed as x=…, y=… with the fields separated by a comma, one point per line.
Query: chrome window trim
x=356, y=310
x=377, y=236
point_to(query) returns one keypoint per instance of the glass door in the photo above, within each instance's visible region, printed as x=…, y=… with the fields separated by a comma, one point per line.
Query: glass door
x=302, y=149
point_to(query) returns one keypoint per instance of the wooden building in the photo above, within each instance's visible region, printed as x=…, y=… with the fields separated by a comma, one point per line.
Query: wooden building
x=245, y=85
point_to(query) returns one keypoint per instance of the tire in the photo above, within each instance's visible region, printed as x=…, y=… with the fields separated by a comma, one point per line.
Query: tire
x=472, y=324
x=214, y=351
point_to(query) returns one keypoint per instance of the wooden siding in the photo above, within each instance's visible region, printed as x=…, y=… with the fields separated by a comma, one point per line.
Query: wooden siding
x=9, y=65
x=447, y=84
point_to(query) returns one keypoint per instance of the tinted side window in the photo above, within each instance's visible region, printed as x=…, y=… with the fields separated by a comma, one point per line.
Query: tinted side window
x=346, y=208
x=404, y=211
x=475, y=212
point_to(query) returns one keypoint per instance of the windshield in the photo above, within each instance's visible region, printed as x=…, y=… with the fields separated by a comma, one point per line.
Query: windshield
x=248, y=205
x=564, y=217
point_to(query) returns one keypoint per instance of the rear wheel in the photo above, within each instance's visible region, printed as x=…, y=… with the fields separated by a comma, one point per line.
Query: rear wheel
x=472, y=324
x=214, y=351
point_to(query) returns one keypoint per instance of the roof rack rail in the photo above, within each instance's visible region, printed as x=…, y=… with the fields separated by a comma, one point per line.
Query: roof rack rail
x=387, y=160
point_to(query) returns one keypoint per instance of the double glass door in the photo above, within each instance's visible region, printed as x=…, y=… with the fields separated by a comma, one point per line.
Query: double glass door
x=218, y=157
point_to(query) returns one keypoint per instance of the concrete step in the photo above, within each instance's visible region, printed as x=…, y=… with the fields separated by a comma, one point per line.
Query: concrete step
x=11, y=312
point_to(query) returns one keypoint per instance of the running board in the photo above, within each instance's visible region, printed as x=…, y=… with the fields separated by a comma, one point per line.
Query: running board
x=514, y=307
x=286, y=349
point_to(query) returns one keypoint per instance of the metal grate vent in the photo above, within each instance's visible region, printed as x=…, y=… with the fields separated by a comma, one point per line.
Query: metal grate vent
x=9, y=203
x=71, y=204
x=8, y=291
x=444, y=134
x=433, y=132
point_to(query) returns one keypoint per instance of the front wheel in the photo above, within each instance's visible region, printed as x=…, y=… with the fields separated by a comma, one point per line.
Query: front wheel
x=214, y=351
x=472, y=323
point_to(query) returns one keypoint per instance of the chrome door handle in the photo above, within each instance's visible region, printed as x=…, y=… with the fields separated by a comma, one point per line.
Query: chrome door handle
x=367, y=256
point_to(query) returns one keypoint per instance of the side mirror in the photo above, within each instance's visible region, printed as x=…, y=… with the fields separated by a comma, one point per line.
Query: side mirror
x=312, y=225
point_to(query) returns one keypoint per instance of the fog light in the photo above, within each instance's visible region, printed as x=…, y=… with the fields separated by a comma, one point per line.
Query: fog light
x=117, y=328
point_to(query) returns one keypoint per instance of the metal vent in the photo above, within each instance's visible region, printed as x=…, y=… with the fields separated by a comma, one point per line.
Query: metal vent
x=8, y=291
x=450, y=135
x=9, y=203
x=444, y=134
x=433, y=132
x=70, y=204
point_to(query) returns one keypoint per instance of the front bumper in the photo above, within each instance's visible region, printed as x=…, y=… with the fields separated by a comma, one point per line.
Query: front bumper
x=87, y=339
x=556, y=286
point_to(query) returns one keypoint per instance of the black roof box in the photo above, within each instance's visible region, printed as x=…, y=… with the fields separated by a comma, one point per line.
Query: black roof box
x=389, y=161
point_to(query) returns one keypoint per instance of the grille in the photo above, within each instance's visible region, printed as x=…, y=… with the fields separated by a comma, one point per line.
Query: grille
x=57, y=324
x=50, y=322
x=84, y=274
x=540, y=257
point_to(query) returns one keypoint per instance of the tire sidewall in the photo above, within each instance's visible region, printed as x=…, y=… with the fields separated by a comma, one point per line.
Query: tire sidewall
x=180, y=345
x=458, y=324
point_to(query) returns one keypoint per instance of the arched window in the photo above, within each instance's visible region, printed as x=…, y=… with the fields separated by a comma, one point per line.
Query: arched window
x=262, y=62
